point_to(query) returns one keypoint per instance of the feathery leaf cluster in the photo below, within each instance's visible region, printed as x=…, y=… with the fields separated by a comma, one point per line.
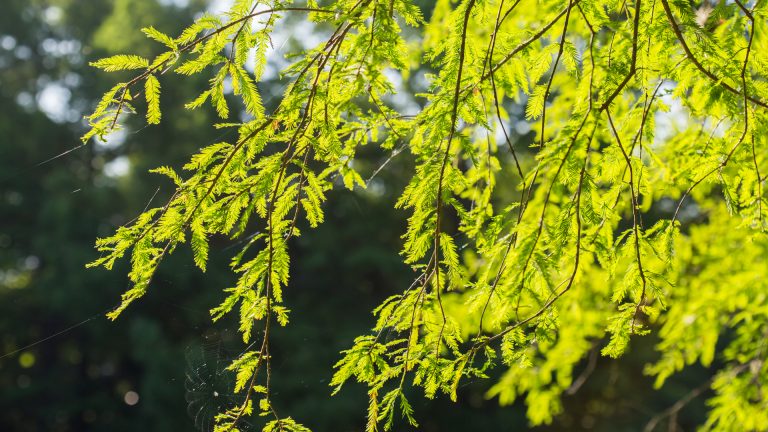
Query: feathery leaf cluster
x=635, y=105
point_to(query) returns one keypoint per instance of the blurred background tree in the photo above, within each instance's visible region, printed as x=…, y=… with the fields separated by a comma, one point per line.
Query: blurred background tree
x=56, y=197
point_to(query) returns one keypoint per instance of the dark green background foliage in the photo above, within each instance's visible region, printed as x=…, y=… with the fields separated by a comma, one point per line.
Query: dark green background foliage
x=165, y=347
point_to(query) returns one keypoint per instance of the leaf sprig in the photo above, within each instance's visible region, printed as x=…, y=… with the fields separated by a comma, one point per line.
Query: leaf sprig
x=530, y=259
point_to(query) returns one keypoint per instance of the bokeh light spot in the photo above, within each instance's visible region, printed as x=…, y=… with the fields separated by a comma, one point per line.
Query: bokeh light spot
x=27, y=360
x=131, y=398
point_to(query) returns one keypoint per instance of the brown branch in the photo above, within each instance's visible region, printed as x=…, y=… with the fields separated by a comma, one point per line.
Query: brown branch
x=585, y=374
x=439, y=204
x=747, y=99
x=696, y=62
x=685, y=400
x=633, y=61
x=635, y=218
x=162, y=65
x=570, y=281
x=524, y=198
x=536, y=36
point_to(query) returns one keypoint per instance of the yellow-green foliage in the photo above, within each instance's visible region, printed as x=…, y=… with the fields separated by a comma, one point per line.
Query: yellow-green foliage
x=633, y=104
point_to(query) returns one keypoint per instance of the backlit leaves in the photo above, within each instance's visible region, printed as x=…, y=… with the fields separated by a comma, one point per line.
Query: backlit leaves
x=121, y=62
x=641, y=208
x=152, y=93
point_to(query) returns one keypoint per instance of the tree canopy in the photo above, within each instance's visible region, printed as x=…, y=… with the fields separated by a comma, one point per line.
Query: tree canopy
x=638, y=207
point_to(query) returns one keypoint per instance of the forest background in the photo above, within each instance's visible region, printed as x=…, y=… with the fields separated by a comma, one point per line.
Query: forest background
x=160, y=367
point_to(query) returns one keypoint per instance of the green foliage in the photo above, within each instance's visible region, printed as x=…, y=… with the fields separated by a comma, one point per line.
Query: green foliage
x=539, y=279
x=121, y=62
x=152, y=93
